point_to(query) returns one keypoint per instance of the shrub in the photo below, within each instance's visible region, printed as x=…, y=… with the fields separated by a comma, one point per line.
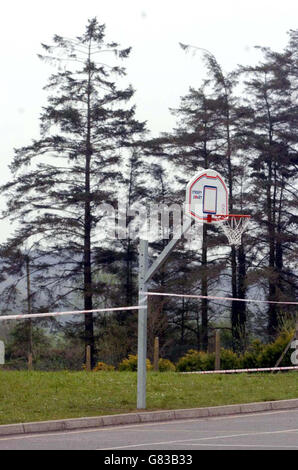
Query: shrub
x=229, y=360
x=195, y=360
x=250, y=359
x=270, y=353
x=131, y=364
x=191, y=361
x=165, y=365
x=266, y=355
x=103, y=366
x=208, y=361
x=199, y=360
x=258, y=355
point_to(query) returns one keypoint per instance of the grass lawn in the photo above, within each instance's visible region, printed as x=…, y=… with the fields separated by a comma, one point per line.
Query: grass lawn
x=38, y=396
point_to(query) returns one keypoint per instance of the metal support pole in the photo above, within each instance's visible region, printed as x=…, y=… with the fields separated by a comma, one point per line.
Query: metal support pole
x=2, y=353
x=142, y=325
x=145, y=275
x=162, y=258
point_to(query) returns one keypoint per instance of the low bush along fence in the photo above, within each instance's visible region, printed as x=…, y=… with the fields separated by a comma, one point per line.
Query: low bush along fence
x=258, y=355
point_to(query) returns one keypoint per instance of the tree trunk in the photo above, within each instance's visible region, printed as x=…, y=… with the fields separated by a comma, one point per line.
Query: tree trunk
x=235, y=323
x=272, y=312
x=241, y=307
x=88, y=304
x=235, y=304
x=279, y=249
x=29, y=321
x=182, y=332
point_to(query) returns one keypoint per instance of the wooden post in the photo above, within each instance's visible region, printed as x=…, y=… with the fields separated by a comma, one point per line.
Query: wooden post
x=88, y=358
x=217, y=350
x=30, y=361
x=156, y=353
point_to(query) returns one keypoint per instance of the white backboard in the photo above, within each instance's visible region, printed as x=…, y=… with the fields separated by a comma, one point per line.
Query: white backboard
x=206, y=196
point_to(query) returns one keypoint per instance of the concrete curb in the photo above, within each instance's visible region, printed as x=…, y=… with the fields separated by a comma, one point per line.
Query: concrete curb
x=145, y=417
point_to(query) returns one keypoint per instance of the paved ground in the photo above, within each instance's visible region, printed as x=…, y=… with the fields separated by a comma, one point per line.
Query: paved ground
x=274, y=430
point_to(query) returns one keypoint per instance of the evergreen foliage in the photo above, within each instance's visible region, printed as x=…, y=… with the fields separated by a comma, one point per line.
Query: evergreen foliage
x=92, y=151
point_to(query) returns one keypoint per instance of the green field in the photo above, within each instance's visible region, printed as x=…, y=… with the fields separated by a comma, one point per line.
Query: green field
x=37, y=396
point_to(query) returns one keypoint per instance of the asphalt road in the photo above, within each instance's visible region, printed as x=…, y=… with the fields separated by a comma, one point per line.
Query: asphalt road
x=274, y=430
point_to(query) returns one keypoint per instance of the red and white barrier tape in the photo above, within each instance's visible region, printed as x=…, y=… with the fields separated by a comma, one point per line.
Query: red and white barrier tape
x=137, y=307
x=74, y=312
x=192, y=296
x=235, y=371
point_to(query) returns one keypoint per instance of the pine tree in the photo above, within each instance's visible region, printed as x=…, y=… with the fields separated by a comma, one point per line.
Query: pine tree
x=60, y=180
x=272, y=139
x=230, y=115
x=198, y=144
x=228, y=120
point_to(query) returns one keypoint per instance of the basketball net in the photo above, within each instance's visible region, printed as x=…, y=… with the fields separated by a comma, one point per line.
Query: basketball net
x=233, y=227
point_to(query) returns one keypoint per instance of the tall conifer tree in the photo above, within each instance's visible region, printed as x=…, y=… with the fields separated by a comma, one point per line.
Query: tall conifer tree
x=272, y=138
x=59, y=180
x=198, y=145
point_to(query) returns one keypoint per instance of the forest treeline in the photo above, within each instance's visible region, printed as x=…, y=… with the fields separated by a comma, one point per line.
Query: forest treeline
x=93, y=152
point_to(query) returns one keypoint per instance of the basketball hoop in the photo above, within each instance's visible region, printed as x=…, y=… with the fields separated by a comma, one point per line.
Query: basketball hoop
x=207, y=201
x=233, y=226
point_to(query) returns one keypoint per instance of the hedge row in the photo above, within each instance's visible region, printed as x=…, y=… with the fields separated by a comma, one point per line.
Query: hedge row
x=131, y=364
x=258, y=355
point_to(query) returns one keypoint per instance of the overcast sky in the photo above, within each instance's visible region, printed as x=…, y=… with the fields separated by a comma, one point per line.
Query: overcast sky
x=158, y=69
